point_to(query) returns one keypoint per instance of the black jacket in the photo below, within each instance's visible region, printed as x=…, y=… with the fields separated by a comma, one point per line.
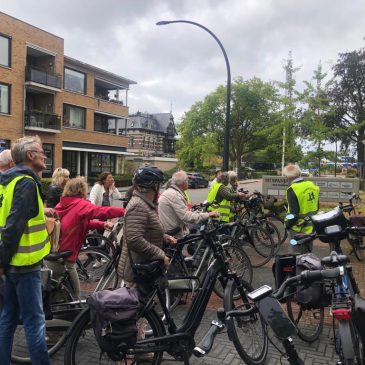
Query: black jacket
x=54, y=196
x=24, y=207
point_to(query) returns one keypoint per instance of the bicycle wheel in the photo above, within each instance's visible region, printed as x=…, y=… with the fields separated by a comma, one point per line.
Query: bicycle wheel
x=248, y=333
x=56, y=328
x=91, y=265
x=357, y=246
x=279, y=224
x=240, y=263
x=309, y=322
x=100, y=242
x=82, y=348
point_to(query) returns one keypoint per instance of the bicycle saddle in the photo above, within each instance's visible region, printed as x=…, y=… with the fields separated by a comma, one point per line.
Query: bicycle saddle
x=55, y=256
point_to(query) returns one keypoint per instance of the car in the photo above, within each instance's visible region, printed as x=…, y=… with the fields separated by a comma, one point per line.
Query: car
x=196, y=180
x=305, y=173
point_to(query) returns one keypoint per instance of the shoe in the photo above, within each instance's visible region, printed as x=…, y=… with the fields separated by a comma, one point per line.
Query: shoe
x=98, y=263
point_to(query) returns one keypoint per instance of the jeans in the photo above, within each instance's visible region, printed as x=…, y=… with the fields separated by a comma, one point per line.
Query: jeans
x=23, y=298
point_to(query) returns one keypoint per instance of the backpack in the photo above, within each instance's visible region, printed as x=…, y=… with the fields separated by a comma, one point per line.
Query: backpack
x=54, y=231
x=113, y=316
x=315, y=295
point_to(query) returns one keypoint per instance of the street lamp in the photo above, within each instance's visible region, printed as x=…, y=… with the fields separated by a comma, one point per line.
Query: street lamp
x=228, y=108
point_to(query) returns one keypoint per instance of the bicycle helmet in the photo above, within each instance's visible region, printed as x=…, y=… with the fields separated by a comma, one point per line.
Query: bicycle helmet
x=148, y=176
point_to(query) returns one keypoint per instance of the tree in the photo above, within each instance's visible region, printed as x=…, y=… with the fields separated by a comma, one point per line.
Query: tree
x=348, y=97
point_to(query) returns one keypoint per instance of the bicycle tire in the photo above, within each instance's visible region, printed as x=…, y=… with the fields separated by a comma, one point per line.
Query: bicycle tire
x=252, y=342
x=357, y=246
x=97, y=240
x=309, y=322
x=91, y=265
x=349, y=348
x=82, y=348
x=56, y=328
x=240, y=263
x=280, y=225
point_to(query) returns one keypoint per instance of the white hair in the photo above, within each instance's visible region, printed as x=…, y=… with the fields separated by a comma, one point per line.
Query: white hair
x=292, y=171
x=179, y=178
x=232, y=175
x=5, y=158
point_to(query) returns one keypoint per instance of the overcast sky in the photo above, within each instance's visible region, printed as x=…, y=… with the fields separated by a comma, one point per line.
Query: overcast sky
x=179, y=64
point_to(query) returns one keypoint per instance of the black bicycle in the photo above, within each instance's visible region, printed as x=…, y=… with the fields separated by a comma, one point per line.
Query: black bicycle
x=250, y=334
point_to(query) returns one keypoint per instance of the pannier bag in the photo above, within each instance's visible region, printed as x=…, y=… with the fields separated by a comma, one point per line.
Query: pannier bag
x=315, y=295
x=283, y=267
x=113, y=316
x=357, y=220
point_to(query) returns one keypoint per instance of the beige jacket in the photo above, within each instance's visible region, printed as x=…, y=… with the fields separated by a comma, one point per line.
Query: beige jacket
x=143, y=235
x=174, y=213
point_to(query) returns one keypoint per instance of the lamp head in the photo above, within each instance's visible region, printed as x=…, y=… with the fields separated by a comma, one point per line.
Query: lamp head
x=163, y=22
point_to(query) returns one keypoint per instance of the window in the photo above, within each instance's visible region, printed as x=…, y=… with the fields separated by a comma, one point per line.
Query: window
x=106, y=124
x=73, y=116
x=4, y=99
x=131, y=141
x=75, y=81
x=4, y=144
x=5, y=53
x=100, y=162
x=48, y=151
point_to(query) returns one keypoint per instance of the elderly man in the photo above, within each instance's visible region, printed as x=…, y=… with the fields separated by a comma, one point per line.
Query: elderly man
x=6, y=161
x=223, y=197
x=303, y=199
x=173, y=210
x=24, y=243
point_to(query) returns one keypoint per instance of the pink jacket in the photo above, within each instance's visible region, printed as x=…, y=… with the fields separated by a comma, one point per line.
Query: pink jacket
x=76, y=214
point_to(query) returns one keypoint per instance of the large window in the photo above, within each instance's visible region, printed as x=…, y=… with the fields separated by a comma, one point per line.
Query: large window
x=48, y=151
x=73, y=116
x=5, y=51
x=75, y=81
x=5, y=98
x=107, y=124
x=100, y=162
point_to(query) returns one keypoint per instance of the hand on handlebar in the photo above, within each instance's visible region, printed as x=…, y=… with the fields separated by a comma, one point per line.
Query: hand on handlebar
x=108, y=226
x=166, y=262
x=214, y=214
x=170, y=240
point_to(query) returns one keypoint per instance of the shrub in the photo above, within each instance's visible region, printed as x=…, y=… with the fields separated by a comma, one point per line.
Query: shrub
x=46, y=182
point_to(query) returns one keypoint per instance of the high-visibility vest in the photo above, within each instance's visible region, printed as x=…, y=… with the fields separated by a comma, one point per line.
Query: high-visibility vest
x=307, y=194
x=224, y=207
x=34, y=243
x=187, y=198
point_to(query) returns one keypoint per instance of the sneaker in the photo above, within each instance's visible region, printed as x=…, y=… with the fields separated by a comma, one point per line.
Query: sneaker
x=98, y=263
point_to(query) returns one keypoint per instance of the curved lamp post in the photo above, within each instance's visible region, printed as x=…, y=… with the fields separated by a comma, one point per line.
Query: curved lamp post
x=228, y=107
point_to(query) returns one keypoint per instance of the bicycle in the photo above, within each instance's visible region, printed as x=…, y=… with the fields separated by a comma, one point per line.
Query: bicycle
x=179, y=342
x=61, y=308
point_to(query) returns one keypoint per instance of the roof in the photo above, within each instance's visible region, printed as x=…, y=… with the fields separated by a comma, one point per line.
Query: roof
x=158, y=122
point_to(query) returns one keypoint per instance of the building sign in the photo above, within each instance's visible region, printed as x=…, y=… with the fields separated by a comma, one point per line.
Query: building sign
x=333, y=189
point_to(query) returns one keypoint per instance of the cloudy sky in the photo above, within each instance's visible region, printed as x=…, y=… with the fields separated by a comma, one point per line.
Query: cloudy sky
x=178, y=64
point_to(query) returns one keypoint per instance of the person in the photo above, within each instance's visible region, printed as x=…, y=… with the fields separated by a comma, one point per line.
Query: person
x=104, y=193
x=76, y=215
x=144, y=236
x=60, y=177
x=218, y=172
x=24, y=243
x=303, y=200
x=233, y=181
x=221, y=194
x=6, y=161
x=173, y=207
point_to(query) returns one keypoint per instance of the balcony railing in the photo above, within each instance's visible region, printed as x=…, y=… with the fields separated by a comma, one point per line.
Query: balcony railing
x=40, y=76
x=37, y=119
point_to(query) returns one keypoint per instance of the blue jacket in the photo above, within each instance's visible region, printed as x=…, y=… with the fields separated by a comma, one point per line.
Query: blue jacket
x=24, y=207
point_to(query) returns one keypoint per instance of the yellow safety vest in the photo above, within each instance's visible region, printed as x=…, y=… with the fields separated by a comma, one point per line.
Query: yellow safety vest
x=307, y=194
x=34, y=243
x=224, y=207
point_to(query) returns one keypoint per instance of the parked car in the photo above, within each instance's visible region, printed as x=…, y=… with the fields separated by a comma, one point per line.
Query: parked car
x=197, y=180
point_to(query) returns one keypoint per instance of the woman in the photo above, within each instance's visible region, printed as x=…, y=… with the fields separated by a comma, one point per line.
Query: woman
x=76, y=214
x=104, y=193
x=144, y=236
x=60, y=177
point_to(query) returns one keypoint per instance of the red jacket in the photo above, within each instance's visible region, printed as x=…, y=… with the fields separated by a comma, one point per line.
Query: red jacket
x=75, y=215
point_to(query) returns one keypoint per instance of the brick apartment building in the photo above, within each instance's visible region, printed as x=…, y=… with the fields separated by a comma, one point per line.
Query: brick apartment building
x=80, y=111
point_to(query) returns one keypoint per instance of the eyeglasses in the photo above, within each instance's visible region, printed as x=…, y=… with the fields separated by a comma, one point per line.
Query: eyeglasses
x=40, y=152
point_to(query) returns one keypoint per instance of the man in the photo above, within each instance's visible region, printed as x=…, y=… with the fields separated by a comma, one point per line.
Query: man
x=23, y=244
x=218, y=172
x=6, y=161
x=173, y=207
x=303, y=200
x=221, y=194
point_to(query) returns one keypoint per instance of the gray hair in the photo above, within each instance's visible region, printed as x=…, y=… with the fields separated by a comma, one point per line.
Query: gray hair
x=232, y=175
x=5, y=158
x=292, y=171
x=223, y=178
x=21, y=146
x=179, y=177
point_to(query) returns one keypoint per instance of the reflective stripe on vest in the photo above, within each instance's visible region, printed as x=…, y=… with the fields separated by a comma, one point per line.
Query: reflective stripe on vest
x=224, y=207
x=307, y=194
x=34, y=243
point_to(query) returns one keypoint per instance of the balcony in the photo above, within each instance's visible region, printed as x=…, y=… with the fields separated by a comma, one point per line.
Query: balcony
x=40, y=76
x=36, y=120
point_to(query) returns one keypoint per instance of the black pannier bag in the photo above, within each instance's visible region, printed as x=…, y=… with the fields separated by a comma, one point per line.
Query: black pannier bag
x=113, y=316
x=315, y=295
x=283, y=267
x=331, y=218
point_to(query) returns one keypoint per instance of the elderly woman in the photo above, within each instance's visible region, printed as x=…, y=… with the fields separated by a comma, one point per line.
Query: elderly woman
x=143, y=232
x=76, y=214
x=233, y=181
x=104, y=193
x=59, y=179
